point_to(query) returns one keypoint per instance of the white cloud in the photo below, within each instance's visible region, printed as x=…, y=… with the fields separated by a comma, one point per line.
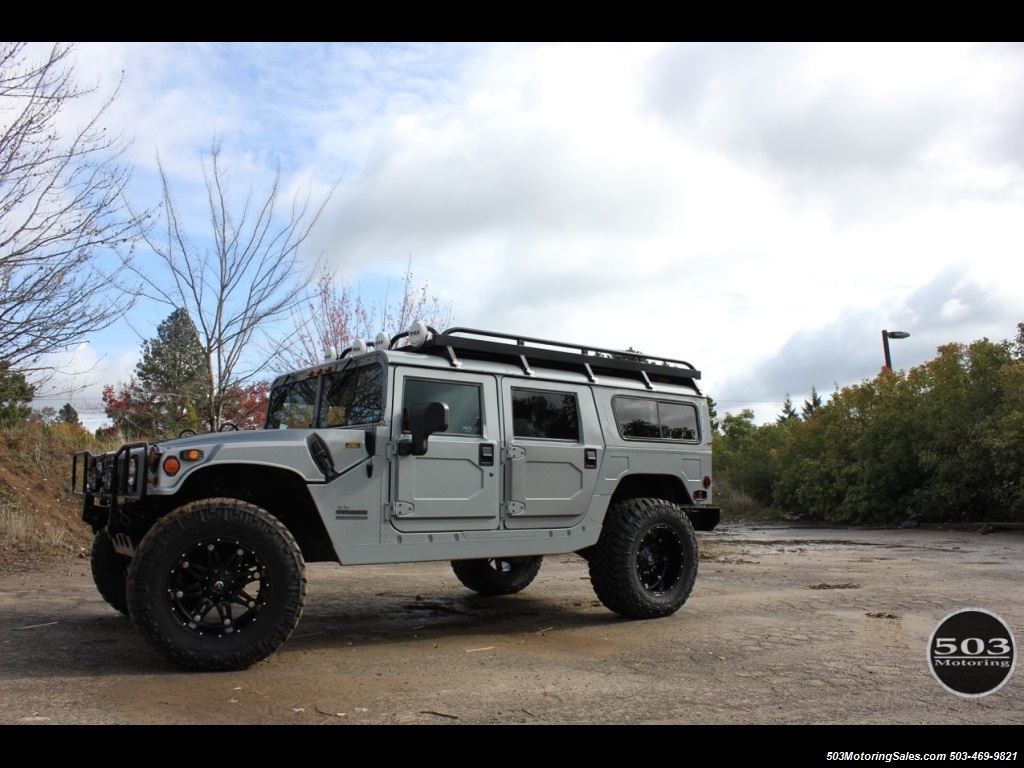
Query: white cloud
x=761, y=210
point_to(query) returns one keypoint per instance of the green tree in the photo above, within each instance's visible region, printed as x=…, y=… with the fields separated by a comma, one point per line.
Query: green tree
x=745, y=455
x=169, y=388
x=46, y=415
x=943, y=441
x=173, y=367
x=169, y=392
x=15, y=395
x=68, y=415
x=713, y=414
x=970, y=404
x=814, y=463
x=788, y=411
x=811, y=405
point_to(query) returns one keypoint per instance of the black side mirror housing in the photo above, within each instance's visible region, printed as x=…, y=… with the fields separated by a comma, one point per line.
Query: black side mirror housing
x=424, y=420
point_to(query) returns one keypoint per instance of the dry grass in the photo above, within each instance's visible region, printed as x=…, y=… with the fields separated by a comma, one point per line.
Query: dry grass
x=22, y=530
x=737, y=504
x=39, y=516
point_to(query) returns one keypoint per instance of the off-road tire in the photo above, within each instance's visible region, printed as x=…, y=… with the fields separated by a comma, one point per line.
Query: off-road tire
x=499, y=575
x=110, y=572
x=645, y=563
x=218, y=584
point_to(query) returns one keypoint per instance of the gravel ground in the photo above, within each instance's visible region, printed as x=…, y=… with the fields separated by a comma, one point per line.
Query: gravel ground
x=786, y=625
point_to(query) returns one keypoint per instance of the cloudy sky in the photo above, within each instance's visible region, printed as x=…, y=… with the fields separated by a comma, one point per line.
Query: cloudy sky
x=761, y=210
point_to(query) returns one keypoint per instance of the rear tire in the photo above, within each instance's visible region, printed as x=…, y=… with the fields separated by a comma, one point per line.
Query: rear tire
x=645, y=563
x=218, y=584
x=499, y=575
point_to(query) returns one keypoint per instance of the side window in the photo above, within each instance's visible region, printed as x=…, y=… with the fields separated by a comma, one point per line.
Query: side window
x=643, y=419
x=678, y=421
x=354, y=396
x=636, y=418
x=293, y=406
x=463, y=403
x=552, y=415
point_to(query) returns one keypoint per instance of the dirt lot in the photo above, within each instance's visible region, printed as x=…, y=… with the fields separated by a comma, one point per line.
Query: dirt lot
x=785, y=626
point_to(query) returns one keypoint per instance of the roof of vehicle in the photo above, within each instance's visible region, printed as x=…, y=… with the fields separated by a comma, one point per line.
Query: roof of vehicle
x=523, y=353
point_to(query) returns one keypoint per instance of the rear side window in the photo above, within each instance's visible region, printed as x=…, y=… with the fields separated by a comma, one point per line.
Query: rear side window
x=552, y=415
x=645, y=419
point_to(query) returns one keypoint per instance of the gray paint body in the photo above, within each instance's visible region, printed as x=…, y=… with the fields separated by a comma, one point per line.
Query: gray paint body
x=539, y=496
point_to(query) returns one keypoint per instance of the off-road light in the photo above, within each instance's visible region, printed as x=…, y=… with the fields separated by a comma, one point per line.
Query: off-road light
x=417, y=334
x=133, y=469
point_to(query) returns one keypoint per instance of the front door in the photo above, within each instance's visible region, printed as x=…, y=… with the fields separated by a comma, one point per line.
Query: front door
x=456, y=485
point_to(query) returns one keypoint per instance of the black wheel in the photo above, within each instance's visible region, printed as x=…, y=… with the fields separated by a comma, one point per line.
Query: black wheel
x=110, y=572
x=645, y=563
x=218, y=584
x=499, y=575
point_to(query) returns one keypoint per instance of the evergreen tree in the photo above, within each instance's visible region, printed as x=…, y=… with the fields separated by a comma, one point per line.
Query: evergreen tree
x=15, y=395
x=68, y=415
x=713, y=413
x=170, y=391
x=788, y=411
x=173, y=367
x=811, y=405
x=170, y=388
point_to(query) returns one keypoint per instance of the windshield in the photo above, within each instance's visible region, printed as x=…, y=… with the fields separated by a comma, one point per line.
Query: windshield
x=354, y=395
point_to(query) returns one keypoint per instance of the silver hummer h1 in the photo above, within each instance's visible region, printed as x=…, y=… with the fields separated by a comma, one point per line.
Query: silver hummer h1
x=486, y=449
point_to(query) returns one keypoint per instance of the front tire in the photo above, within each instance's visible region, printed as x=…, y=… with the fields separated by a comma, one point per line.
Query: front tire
x=645, y=563
x=499, y=575
x=110, y=572
x=218, y=584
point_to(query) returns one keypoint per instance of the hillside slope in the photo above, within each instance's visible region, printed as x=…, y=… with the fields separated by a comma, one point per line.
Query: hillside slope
x=40, y=518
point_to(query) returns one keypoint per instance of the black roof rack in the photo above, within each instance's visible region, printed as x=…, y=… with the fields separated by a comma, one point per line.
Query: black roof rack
x=479, y=344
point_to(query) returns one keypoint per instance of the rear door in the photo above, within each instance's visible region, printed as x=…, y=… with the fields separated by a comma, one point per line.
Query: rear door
x=554, y=447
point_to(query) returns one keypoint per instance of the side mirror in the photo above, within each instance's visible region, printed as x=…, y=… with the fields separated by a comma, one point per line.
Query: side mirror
x=424, y=420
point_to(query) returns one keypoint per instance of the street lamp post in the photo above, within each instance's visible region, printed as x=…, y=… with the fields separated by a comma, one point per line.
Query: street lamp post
x=886, y=335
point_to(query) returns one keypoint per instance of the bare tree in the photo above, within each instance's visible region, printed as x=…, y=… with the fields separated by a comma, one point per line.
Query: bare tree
x=238, y=281
x=61, y=206
x=335, y=315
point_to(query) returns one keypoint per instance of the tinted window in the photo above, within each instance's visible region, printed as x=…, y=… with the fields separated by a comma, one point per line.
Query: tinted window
x=354, y=396
x=293, y=406
x=678, y=421
x=545, y=414
x=463, y=403
x=643, y=419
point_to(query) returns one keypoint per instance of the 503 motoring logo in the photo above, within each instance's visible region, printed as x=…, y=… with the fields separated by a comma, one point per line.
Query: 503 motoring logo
x=972, y=652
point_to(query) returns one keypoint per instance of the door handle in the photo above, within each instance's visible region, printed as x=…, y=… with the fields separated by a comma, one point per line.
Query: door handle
x=486, y=454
